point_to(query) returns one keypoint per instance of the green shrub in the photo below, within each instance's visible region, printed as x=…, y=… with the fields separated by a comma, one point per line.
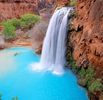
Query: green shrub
x=96, y=86
x=74, y=67
x=28, y=20
x=87, y=77
x=92, y=83
x=72, y=63
x=87, y=74
x=73, y=3
x=90, y=74
x=82, y=73
x=9, y=28
x=9, y=31
x=14, y=22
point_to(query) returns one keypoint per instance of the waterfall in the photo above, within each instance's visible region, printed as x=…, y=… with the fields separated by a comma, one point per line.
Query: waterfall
x=53, y=52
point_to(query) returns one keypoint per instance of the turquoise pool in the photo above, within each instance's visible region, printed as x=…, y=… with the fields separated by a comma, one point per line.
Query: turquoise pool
x=18, y=79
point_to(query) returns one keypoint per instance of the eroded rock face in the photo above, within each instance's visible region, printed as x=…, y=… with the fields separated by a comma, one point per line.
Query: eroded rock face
x=87, y=40
x=38, y=34
x=16, y=8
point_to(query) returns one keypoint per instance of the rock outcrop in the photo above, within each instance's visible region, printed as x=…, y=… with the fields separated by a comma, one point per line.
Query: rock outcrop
x=38, y=34
x=87, y=40
x=2, y=42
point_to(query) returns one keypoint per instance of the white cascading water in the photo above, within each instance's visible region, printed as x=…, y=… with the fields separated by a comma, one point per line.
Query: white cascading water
x=53, y=52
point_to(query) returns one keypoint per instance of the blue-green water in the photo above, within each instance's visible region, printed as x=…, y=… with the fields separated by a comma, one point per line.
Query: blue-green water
x=18, y=79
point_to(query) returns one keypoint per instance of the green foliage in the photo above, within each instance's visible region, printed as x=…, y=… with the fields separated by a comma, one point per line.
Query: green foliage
x=73, y=2
x=82, y=73
x=90, y=74
x=9, y=28
x=14, y=22
x=96, y=86
x=73, y=65
x=9, y=31
x=28, y=20
x=87, y=77
x=92, y=83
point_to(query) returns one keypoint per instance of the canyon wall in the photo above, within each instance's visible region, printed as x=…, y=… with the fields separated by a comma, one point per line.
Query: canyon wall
x=87, y=40
x=16, y=8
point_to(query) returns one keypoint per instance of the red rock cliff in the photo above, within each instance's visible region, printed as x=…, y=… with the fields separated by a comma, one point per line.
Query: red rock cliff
x=88, y=40
x=15, y=8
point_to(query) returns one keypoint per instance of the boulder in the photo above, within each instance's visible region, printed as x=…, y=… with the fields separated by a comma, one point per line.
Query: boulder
x=2, y=42
x=37, y=35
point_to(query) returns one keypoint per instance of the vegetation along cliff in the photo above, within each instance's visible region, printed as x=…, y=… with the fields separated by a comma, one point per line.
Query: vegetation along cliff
x=85, y=46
